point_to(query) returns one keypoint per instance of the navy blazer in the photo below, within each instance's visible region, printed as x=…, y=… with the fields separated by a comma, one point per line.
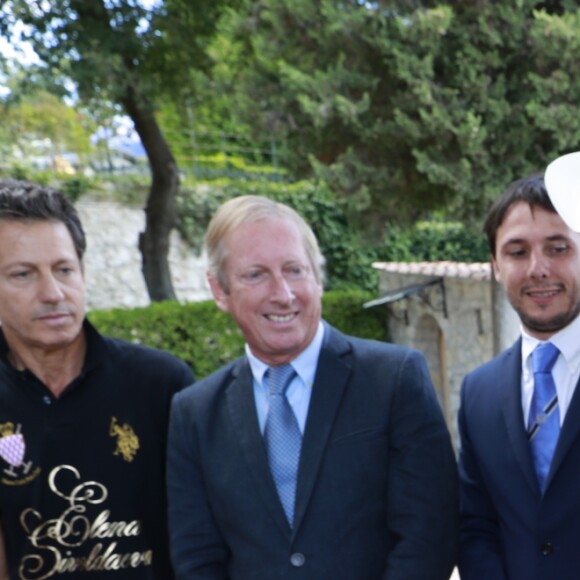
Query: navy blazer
x=377, y=486
x=508, y=529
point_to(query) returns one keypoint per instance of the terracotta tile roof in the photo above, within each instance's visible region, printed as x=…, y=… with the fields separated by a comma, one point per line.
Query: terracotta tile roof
x=475, y=271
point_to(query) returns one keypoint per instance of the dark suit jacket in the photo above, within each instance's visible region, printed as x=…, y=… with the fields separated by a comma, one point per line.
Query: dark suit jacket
x=377, y=484
x=508, y=529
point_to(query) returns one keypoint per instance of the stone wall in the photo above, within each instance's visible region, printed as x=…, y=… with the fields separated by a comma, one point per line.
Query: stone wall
x=113, y=261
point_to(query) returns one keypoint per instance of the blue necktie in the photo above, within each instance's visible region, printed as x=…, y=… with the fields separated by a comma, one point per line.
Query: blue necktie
x=544, y=420
x=283, y=437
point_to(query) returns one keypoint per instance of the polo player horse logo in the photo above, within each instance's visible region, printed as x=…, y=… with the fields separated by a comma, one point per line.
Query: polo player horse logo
x=127, y=441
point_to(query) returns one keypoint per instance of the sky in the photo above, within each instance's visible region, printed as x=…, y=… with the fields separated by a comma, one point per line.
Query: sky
x=22, y=53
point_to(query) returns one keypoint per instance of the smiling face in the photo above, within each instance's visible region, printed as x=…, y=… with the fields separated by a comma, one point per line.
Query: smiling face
x=273, y=294
x=42, y=286
x=537, y=261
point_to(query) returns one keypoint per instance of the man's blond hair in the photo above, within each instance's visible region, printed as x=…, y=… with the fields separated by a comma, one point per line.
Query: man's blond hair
x=251, y=209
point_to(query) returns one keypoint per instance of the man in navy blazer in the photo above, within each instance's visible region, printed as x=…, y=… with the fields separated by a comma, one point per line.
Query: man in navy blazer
x=376, y=486
x=513, y=527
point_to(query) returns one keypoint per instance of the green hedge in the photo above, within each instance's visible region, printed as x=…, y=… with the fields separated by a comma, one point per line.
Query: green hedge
x=206, y=338
x=430, y=241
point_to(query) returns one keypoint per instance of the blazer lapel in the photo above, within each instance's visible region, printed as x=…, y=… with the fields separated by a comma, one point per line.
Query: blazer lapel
x=242, y=409
x=332, y=376
x=568, y=435
x=509, y=385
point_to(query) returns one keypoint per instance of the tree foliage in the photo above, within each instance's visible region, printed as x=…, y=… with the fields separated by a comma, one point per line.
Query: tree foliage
x=432, y=241
x=410, y=106
x=401, y=107
x=129, y=53
x=42, y=116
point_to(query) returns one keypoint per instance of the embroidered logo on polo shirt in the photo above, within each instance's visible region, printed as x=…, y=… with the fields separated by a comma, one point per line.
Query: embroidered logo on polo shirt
x=12, y=452
x=127, y=440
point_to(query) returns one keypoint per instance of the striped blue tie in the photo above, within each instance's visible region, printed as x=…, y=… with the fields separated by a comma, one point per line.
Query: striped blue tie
x=283, y=437
x=544, y=420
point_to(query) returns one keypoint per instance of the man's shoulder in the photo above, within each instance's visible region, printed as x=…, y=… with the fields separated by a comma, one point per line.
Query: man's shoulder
x=214, y=384
x=498, y=364
x=484, y=386
x=125, y=346
x=366, y=346
x=137, y=358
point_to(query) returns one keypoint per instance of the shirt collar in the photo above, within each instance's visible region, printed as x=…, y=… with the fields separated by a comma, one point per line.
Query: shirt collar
x=96, y=348
x=566, y=340
x=304, y=364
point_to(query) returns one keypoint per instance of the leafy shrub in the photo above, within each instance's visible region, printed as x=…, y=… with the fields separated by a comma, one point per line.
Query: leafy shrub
x=130, y=189
x=430, y=241
x=73, y=187
x=20, y=172
x=206, y=338
x=348, y=259
x=220, y=165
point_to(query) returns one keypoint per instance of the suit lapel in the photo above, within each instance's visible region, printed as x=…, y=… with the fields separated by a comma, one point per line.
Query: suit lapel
x=509, y=384
x=568, y=435
x=242, y=409
x=332, y=375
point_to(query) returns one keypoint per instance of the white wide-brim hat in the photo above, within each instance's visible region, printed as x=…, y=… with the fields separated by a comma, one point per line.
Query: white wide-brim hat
x=562, y=179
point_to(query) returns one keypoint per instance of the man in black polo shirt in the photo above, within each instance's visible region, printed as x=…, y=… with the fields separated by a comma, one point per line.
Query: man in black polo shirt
x=83, y=417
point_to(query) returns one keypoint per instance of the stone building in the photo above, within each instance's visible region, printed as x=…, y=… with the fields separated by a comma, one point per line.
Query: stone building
x=455, y=313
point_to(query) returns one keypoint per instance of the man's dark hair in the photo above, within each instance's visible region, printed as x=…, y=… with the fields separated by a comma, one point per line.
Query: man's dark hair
x=27, y=201
x=530, y=190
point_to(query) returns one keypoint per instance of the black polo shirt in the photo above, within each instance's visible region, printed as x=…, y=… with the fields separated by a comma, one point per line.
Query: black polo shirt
x=82, y=476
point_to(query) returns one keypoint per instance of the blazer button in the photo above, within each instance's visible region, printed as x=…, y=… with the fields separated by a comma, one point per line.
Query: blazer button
x=546, y=548
x=297, y=559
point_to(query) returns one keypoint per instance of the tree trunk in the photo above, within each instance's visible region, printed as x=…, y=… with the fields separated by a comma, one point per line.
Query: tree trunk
x=160, y=208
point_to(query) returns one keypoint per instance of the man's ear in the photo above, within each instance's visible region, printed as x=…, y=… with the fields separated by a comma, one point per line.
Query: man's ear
x=219, y=294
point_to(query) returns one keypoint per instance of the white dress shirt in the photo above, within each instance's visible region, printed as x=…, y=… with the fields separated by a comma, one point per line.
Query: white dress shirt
x=300, y=389
x=566, y=371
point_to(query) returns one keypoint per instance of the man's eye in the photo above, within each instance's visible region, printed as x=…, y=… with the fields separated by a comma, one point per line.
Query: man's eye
x=253, y=276
x=21, y=275
x=295, y=271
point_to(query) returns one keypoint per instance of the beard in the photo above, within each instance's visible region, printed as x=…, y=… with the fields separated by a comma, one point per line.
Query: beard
x=551, y=325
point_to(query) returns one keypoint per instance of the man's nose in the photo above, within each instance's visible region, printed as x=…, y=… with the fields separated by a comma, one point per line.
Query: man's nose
x=50, y=289
x=539, y=266
x=281, y=289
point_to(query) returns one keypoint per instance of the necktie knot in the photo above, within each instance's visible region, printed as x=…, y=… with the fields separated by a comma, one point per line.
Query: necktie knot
x=544, y=357
x=279, y=378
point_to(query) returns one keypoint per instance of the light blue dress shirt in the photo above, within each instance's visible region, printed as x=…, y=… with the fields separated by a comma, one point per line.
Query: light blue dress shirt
x=566, y=371
x=300, y=388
